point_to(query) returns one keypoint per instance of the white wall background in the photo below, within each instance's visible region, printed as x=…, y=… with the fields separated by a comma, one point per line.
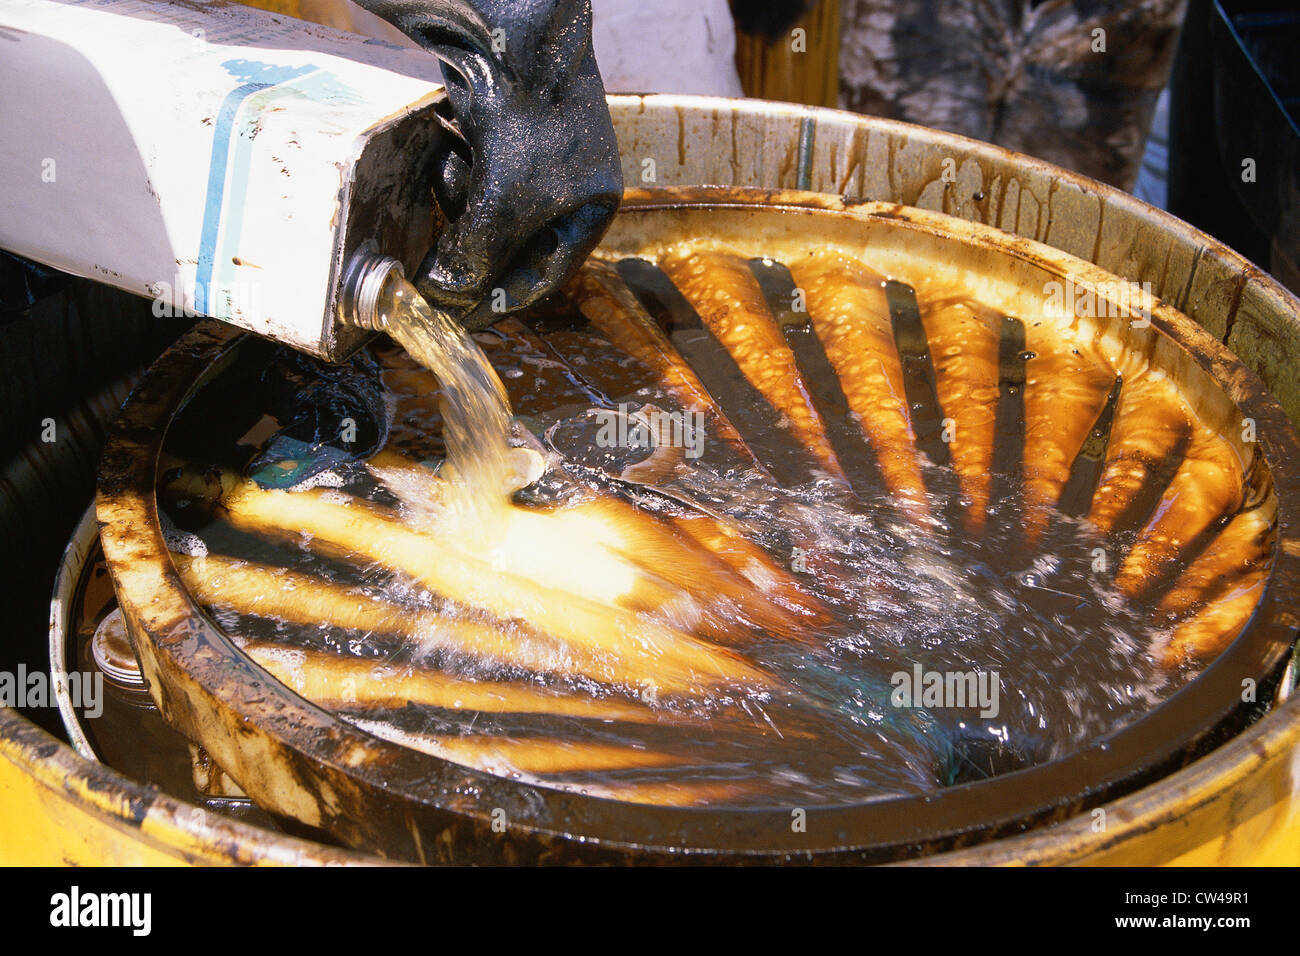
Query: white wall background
x=642, y=46
x=666, y=46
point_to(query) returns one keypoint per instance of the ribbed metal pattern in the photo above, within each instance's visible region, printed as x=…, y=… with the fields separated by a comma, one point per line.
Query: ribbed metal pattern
x=995, y=434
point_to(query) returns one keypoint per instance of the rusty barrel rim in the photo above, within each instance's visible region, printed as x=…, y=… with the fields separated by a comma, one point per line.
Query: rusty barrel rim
x=111, y=801
x=301, y=760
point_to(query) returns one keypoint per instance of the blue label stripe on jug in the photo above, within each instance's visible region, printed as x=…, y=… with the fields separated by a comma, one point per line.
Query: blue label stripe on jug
x=258, y=76
x=319, y=85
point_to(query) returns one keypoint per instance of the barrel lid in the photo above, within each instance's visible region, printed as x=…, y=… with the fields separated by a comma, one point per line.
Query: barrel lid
x=113, y=654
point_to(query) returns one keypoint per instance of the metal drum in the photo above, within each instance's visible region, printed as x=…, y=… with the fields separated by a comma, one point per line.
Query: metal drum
x=295, y=757
x=1234, y=801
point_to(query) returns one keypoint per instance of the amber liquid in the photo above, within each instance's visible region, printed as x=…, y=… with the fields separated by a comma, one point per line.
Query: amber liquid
x=751, y=626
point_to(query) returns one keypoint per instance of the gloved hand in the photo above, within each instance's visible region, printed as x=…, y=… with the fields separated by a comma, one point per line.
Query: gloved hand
x=529, y=176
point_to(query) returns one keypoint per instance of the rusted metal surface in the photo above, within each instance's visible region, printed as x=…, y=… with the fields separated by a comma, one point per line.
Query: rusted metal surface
x=1239, y=804
x=296, y=759
x=64, y=809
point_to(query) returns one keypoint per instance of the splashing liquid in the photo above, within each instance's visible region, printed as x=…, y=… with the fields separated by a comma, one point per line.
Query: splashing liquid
x=475, y=408
x=707, y=635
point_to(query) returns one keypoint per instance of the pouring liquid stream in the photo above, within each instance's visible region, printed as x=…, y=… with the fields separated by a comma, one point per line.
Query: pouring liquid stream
x=475, y=408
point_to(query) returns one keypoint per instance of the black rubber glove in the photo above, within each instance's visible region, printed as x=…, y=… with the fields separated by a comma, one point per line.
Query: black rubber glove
x=529, y=177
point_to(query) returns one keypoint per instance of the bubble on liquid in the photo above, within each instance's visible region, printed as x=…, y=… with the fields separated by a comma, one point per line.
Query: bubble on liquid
x=322, y=479
x=181, y=542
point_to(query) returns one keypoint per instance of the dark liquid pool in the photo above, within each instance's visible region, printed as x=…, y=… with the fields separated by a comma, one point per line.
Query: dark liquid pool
x=726, y=588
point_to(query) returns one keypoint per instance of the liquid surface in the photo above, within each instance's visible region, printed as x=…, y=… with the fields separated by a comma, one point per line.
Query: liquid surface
x=672, y=539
